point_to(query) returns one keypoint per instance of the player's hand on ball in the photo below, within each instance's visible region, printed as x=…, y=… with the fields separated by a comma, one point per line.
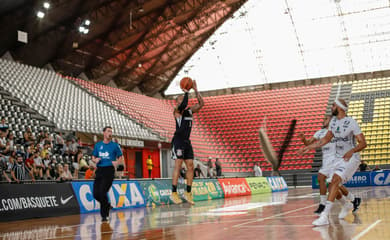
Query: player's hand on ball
x=348, y=155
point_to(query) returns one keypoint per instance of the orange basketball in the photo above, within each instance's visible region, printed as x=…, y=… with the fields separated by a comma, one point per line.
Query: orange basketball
x=186, y=83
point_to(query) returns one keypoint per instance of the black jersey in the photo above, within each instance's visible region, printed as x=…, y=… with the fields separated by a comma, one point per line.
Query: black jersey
x=183, y=125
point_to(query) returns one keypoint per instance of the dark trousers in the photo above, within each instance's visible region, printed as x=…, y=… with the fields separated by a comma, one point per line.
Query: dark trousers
x=101, y=186
x=150, y=173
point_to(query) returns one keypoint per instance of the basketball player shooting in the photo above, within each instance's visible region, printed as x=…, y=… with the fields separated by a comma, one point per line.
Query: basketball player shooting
x=181, y=145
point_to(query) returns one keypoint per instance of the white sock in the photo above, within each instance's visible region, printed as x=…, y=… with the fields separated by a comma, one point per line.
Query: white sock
x=323, y=199
x=328, y=207
x=350, y=196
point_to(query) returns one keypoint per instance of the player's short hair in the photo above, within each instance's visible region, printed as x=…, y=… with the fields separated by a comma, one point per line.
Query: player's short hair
x=106, y=127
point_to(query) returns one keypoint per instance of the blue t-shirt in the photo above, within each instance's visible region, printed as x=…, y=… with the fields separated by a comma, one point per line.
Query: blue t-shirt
x=108, y=152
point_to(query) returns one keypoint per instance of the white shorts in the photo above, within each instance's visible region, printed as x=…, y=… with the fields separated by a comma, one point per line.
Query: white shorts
x=346, y=169
x=328, y=167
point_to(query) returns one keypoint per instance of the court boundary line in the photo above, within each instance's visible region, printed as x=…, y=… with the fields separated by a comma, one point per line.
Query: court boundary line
x=362, y=233
x=276, y=215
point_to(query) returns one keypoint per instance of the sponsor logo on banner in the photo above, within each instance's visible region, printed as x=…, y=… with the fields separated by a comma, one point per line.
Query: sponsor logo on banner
x=277, y=184
x=123, y=194
x=234, y=187
x=36, y=200
x=158, y=192
x=258, y=185
x=205, y=189
x=380, y=178
x=359, y=179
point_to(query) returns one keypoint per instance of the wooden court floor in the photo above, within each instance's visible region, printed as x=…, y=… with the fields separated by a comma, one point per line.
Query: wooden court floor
x=283, y=215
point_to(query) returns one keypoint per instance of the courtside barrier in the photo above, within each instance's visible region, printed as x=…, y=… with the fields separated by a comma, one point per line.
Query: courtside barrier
x=363, y=179
x=122, y=195
x=233, y=187
x=23, y=201
x=277, y=184
x=258, y=185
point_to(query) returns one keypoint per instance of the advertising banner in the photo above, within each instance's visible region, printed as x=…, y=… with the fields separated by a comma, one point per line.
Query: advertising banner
x=258, y=185
x=23, y=201
x=123, y=194
x=205, y=189
x=380, y=178
x=234, y=187
x=359, y=179
x=277, y=184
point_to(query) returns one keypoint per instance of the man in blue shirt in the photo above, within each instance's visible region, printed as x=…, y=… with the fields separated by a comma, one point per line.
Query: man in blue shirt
x=107, y=155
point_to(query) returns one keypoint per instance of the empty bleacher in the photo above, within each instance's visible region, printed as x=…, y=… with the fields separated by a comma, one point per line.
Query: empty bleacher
x=69, y=107
x=227, y=126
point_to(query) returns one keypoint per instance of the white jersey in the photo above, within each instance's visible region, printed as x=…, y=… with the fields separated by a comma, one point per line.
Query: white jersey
x=328, y=150
x=344, y=132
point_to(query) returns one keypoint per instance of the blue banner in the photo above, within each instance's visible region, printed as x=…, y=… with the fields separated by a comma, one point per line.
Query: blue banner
x=359, y=179
x=380, y=178
x=277, y=184
x=123, y=194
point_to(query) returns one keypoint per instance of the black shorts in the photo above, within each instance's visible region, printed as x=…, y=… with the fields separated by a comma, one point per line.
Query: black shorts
x=182, y=150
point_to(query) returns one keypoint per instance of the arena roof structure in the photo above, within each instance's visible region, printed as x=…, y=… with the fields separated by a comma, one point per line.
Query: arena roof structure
x=137, y=45
x=277, y=41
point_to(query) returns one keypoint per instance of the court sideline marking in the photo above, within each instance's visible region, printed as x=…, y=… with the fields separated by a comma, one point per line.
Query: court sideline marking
x=276, y=215
x=362, y=233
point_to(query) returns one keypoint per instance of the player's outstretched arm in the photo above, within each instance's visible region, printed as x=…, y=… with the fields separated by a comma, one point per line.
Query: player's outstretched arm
x=321, y=142
x=200, y=103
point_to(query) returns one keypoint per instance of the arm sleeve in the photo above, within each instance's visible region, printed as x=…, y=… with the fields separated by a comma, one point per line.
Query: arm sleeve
x=317, y=135
x=355, y=127
x=95, y=151
x=184, y=103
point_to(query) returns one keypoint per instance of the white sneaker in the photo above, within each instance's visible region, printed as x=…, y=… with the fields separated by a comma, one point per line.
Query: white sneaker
x=345, y=210
x=322, y=220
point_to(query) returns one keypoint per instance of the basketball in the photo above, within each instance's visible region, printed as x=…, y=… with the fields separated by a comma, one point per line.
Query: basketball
x=186, y=83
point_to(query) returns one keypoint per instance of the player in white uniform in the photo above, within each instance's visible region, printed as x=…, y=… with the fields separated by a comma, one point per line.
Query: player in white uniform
x=328, y=153
x=347, y=159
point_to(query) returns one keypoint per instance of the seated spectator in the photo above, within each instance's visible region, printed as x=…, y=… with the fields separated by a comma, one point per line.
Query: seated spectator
x=11, y=141
x=66, y=175
x=28, y=137
x=45, y=150
x=38, y=166
x=47, y=163
x=90, y=173
x=59, y=143
x=3, y=174
x=198, y=172
x=3, y=124
x=83, y=164
x=19, y=170
x=30, y=162
x=3, y=141
x=59, y=173
x=364, y=167
x=377, y=168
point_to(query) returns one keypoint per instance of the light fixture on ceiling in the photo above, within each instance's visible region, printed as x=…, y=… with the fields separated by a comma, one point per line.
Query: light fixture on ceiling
x=87, y=22
x=46, y=5
x=40, y=14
